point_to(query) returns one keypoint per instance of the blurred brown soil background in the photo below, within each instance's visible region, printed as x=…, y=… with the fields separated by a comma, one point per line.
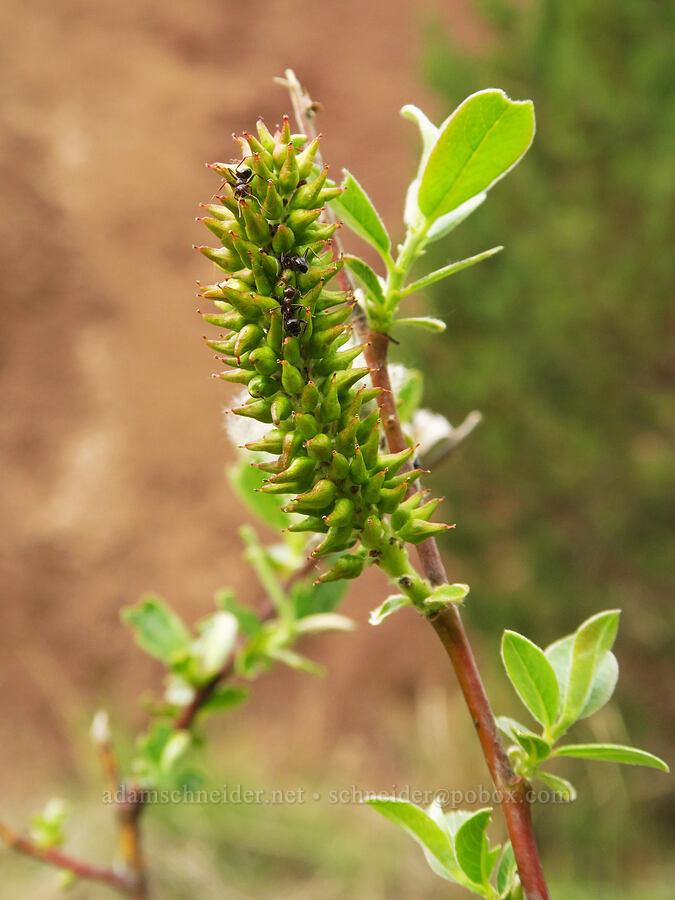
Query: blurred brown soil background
x=112, y=443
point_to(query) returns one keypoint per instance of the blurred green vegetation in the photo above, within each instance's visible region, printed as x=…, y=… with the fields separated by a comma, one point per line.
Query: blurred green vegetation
x=563, y=497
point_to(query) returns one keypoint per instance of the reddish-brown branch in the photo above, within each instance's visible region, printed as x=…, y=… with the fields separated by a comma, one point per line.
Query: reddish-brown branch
x=61, y=860
x=513, y=790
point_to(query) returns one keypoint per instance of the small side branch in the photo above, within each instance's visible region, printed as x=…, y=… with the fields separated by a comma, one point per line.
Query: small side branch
x=62, y=861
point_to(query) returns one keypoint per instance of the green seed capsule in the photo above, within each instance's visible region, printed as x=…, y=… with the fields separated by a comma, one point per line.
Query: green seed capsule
x=291, y=378
x=292, y=445
x=249, y=338
x=357, y=468
x=372, y=533
x=415, y=531
x=241, y=301
x=345, y=440
x=290, y=487
x=322, y=495
x=226, y=346
x=263, y=283
x=393, y=461
x=425, y=512
x=390, y=498
x=306, y=195
x=336, y=538
x=349, y=566
x=334, y=362
x=281, y=409
x=289, y=174
x=231, y=320
x=256, y=409
x=339, y=466
x=320, y=447
x=266, y=138
x=259, y=149
x=257, y=229
x=279, y=153
x=283, y=240
x=321, y=341
x=238, y=376
x=266, y=304
x=300, y=470
x=307, y=425
x=311, y=523
x=342, y=513
x=371, y=490
x=371, y=447
x=275, y=332
x=290, y=350
x=306, y=158
x=273, y=205
x=319, y=232
x=309, y=397
x=366, y=426
x=329, y=410
x=300, y=220
x=329, y=193
x=259, y=165
x=221, y=256
x=265, y=360
x=262, y=386
x=271, y=443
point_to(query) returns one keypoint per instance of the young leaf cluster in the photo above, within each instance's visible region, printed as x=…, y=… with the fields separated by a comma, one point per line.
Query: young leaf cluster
x=568, y=681
x=482, y=140
x=456, y=845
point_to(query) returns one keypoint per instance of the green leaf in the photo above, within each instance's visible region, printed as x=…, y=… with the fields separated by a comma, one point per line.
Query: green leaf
x=483, y=139
x=247, y=618
x=445, y=594
x=296, y=661
x=310, y=599
x=391, y=605
x=506, y=870
x=537, y=748
x=511, y=728
x=409, y=390
x=422, y=828
x=532, y=676
x=367, y=277
x=226, y=696
x=561, y=786
x=263, y=565
x=246, y=481
x=471, y=847
x=157, y=629
x=617, y=753
x=431, y=324
x=450, y=269
x=592, y=640
x=604, y=681
x=451, y=220
x=428, y=131
x=356, y=210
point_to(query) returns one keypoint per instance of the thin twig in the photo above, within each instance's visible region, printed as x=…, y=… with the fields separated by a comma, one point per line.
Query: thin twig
x=61, y=860
x=513, y=790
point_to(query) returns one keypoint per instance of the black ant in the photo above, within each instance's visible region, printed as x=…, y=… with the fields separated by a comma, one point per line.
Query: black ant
x=295, y=262
x=293, y=325
x=241, y=187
